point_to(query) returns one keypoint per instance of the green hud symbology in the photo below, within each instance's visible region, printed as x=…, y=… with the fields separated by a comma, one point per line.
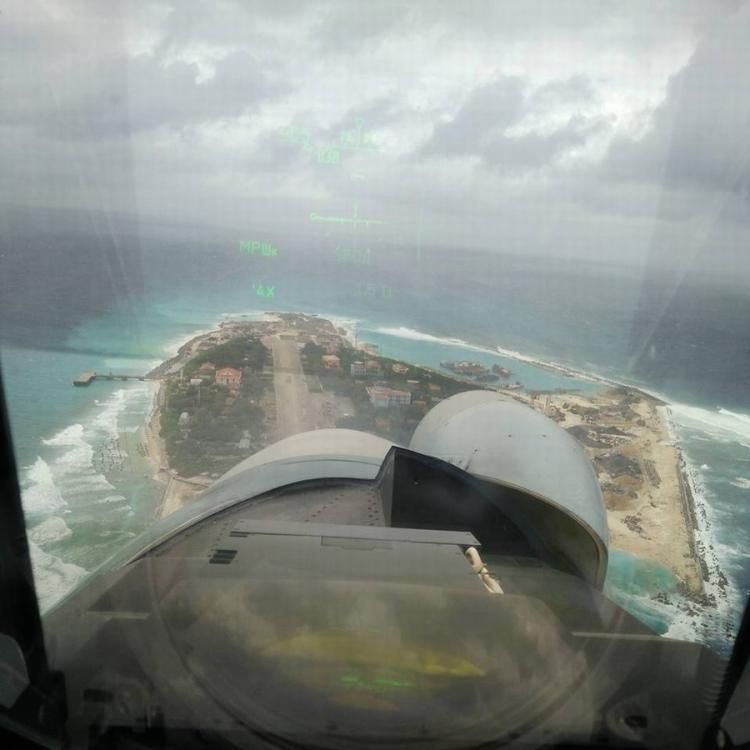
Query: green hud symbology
x=329, y=155
x=376, y=685
x=355, y=139
x=256, y=247
x=264, y=290
x=354, y=255
x=354, y=220
x=373, y=291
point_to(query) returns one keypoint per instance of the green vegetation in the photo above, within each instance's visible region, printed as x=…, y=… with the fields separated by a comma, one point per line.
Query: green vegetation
x=210, y=427
x=239, y=352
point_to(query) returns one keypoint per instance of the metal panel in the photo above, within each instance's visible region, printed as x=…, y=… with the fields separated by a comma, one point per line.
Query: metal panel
x=495, y=437
x=420, y=536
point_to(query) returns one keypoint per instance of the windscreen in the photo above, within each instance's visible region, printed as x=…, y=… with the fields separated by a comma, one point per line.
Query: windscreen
x=226, y=224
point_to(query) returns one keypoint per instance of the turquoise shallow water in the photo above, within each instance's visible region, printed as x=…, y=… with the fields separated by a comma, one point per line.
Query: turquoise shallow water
x=61, y=431
x=431, y=353
x=633, y=582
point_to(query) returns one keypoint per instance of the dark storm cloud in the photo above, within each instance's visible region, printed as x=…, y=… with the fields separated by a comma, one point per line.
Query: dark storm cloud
x=479, y=127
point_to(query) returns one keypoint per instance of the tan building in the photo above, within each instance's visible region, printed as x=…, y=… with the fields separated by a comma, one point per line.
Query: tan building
x=331, y=362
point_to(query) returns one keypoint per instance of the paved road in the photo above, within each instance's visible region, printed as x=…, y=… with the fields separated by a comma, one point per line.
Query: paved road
x=295, y=410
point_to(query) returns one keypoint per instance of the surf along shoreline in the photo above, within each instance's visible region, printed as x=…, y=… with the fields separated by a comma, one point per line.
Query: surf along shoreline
x=633, y=531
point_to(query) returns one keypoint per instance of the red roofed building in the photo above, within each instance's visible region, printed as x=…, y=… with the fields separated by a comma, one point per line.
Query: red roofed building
x=228, y=376
x=381, y=396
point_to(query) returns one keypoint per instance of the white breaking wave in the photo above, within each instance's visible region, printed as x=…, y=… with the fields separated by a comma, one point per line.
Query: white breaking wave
x=53, y=578
x=112, y=499
x=52, y=529
x=727, y=598
x=39, y=492
x=742, y=482
x=570, y=372
x=561, y=369
x=107, y=418
x=243, y=315
x=513, y=354
x=348, y=324
x=74, y=470
x=172, y=347
x=686, y=621
x=47, y=483
x=403, y=332
x=720, y=424
x=414, y=335
x=71, y=435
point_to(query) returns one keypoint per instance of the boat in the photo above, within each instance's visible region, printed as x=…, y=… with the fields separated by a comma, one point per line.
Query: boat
x=466, y=368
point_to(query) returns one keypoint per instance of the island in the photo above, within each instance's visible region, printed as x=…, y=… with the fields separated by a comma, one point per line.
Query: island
x=230, y=392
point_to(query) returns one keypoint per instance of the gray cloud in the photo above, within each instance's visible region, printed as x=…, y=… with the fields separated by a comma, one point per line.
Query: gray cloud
x=488, y=110
x=699, y=135
x=119, y=96
x=480, y=127
x=525, y=122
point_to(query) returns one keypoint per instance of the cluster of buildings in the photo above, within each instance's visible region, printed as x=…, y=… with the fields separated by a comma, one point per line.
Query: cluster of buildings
x=382, y=396
x=371, y=368
x=230, y=377
x=331, y=361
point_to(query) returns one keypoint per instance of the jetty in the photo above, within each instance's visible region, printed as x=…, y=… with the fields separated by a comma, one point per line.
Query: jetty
x=88, y=377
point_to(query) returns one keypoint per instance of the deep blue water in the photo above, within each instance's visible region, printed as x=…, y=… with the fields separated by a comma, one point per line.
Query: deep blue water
x=77, y=297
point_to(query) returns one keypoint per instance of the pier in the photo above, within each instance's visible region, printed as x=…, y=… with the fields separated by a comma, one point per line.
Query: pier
x=88, y=377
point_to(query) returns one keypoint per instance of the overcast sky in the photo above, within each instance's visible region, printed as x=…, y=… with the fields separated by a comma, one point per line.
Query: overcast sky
x=583, y=128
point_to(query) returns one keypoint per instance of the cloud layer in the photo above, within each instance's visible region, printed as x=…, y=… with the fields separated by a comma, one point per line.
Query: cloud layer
x=565, y=128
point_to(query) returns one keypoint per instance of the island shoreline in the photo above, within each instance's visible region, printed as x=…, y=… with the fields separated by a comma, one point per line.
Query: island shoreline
x=174, y=487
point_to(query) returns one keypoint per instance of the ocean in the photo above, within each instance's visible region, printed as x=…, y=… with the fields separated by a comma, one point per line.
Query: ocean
x=81, y=295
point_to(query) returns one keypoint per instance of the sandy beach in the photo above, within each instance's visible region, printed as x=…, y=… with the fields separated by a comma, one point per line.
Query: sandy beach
x=179, y=491
x=625, y=433
x=176, y=492
x=639, y=466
